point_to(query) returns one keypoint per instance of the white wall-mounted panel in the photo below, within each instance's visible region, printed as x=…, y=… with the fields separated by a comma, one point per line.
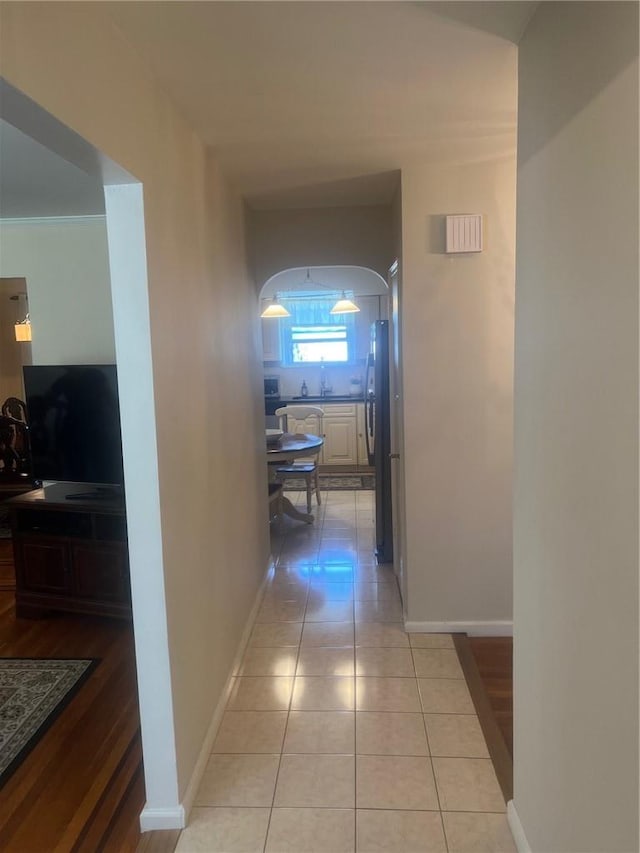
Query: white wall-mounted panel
x=464, y=233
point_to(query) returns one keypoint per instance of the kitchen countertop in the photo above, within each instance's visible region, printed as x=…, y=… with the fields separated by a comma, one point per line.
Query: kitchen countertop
x=328, y=398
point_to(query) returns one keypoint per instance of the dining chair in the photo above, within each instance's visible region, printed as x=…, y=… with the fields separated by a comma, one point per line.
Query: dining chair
x=289, y=419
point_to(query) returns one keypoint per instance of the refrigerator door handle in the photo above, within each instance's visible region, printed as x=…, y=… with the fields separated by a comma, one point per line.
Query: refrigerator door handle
x=368, y=428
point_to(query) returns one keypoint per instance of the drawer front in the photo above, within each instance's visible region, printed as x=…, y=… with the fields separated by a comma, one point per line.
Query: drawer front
x=339, y=409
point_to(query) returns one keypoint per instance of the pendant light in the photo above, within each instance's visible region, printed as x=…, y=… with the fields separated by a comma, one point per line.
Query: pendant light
x=275, y=309
x=344, y=306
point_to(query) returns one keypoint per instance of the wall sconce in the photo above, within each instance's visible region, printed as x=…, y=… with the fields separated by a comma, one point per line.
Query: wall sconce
x=22, y=328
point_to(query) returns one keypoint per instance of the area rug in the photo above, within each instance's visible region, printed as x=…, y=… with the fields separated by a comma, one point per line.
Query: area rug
x=333, y=482
x=32, y=695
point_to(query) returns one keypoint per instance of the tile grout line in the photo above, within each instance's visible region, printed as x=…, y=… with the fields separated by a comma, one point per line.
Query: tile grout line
x=355, y=730
x=433, y=772
x=284, y=736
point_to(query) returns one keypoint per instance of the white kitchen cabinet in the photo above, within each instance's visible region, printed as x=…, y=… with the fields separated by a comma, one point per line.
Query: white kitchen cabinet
x=340, y=446
x=271, y=350
x=340, y=437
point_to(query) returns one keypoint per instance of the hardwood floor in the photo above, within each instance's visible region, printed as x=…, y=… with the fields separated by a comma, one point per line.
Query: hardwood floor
x=486, y=663
x=494, y=659
x=80, y=789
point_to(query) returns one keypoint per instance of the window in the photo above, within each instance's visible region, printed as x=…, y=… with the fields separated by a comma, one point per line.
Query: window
x=312, y=335
x=311, y=344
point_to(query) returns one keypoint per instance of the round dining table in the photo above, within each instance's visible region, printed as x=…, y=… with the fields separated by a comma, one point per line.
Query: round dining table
x=289, y=447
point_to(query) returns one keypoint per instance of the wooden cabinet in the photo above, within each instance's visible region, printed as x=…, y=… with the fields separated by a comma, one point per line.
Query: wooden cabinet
x=70, y=555
x=271, y=349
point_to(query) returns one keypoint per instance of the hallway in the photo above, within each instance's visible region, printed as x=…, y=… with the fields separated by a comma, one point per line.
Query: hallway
x=342, y=733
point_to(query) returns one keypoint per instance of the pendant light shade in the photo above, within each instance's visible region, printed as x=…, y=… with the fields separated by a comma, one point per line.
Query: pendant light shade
x=344, y=306
x=275, y=309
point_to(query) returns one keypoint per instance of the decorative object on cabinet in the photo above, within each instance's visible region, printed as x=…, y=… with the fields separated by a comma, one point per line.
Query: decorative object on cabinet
x=15, y=451
x=355, y=386
x=15, y=408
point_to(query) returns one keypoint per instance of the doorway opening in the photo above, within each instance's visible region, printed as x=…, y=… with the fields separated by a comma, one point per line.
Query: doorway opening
x=341, y=363
x=124, y=255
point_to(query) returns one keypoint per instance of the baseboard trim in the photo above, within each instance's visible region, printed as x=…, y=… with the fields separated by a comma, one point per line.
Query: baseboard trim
x=517, y=831
x=173, y=818
x=497, y=628
x=207, y=745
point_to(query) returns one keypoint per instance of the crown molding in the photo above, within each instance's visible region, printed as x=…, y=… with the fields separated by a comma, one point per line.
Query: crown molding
x=53, y=220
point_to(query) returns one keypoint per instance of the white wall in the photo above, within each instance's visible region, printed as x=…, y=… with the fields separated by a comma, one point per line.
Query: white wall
x=576, y=431
x=204, y=344
x=281, y=239
x=457, y=341
x=66, y=266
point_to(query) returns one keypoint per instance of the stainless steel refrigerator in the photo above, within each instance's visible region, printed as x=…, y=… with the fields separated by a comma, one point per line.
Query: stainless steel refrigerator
x=378, y=432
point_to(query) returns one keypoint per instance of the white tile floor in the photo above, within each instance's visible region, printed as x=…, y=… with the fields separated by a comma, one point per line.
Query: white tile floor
x=343, y=733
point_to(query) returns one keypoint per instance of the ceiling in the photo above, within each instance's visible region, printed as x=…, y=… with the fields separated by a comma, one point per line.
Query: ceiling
x=307, y=104
x=295, y=95
x=35, y=182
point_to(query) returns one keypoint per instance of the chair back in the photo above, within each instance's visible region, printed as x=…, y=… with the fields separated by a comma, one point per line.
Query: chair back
x=289, y=415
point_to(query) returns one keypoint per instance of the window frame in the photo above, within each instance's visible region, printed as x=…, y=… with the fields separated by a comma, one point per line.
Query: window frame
x=326, y=322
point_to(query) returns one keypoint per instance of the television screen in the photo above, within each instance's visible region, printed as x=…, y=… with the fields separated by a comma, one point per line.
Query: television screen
x=74, y=423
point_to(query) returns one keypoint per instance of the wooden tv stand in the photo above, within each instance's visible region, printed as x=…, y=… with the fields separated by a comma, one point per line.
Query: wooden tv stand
x=70, y=554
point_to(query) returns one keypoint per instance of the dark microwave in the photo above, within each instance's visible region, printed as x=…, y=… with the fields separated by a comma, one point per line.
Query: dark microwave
x=271, y=386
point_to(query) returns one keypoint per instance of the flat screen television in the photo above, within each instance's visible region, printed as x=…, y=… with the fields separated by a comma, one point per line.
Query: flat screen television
x=74, y=423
